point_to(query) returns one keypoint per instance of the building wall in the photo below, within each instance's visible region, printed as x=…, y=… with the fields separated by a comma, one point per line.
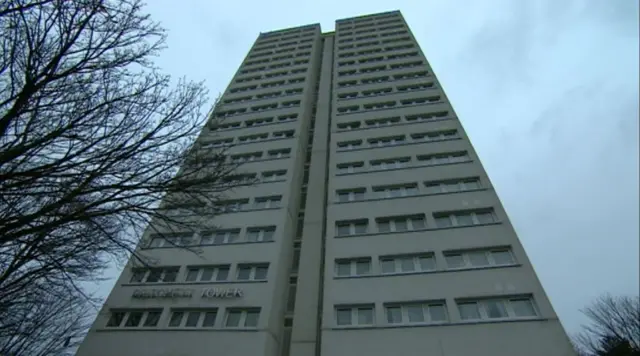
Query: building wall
x=330, y=255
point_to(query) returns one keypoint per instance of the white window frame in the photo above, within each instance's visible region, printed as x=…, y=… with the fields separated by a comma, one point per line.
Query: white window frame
x=272, y=176
x=455, y=215
x=228, y=236
x=397, y=261
x=425, y=307
x=351, y=195
x=353, y=266
x=507, y=304
x=387, y=141
x=384, y=165
x=392, y=222
x=354, y=319
x=382, y=122
x=349, y=145
x=384, y=192
x=354, y=125
x=353, y=227
x=185, y=316
x=467, y=262
x=253, y=268
x=281, y=153
x=352, y=167
x=127, y=314
x=163, y=274
x=263, y=232
x=461, y=184
x=243, y=317
x=270, y=202
x=214, y=275
x=434, y=136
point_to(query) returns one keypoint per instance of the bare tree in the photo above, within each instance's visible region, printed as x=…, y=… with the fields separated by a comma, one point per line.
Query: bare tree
x=613, y=329
x=92, y=139
x=46, y=324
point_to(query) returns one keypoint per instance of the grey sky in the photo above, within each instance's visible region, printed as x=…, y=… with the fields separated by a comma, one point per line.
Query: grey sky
x=546, y=90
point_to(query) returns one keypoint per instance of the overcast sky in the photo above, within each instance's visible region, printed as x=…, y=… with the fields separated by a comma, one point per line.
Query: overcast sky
x=546, y=90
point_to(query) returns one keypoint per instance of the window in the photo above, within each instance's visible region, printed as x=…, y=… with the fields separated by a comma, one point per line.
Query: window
x=407, y=263
x=154, y=275
x=283, y=134
x=444, y=158
x=246, y=157
x=289, y=104
x=416, y=313
x=479, y=258
x=242, y=318
x=171, y=240
x=401, y=223
x=272, y=176
x=288, y=118
x=347, y=195
x=218, y=143
x=377, y=92
x=453, y=185
x=248, y=272
x=260, y=234
x=354, y=227
x=193, y=318
x=219, y=237
x=352, y=167
x=349, y=125
x=207, y=273
x=359, y=315
x=435, y=136
x=465, y=218
x=281, y=153
x=497, y=308
x=267, y=202
x=386, y=141
x=257, y=122
x=427, y=116
x=395, y=191
x=348, y=109
x=134, y=318
x=253, y=138
x=349, y=145
x=353, y=267
x=386, y=164
x=348, y=95
x=383, y=122
x=230, y=206
x=376, y=106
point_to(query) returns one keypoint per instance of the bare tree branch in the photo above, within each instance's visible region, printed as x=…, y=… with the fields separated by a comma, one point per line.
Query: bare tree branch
x=96, y=148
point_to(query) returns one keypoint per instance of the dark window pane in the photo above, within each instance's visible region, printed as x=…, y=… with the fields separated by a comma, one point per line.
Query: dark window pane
x=138, y=275
x=170, y=274
x=154, y=275
x=152, y=318
x=251, y=319
x=223, y=274
x=192, y=274
x=134, y=319
x=116, y=319
x=209, y=319
x=176, y=319
x=192, y=319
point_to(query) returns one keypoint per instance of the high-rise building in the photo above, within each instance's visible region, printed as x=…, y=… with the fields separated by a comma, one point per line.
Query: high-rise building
x=374, y=229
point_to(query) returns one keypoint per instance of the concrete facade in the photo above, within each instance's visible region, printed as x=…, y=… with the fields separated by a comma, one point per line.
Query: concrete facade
x=388, y=237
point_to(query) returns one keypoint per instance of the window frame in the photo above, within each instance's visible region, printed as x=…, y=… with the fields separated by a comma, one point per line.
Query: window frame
x=425, y=307
x=354, y=318
x=511, y=314
x=353, y=264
